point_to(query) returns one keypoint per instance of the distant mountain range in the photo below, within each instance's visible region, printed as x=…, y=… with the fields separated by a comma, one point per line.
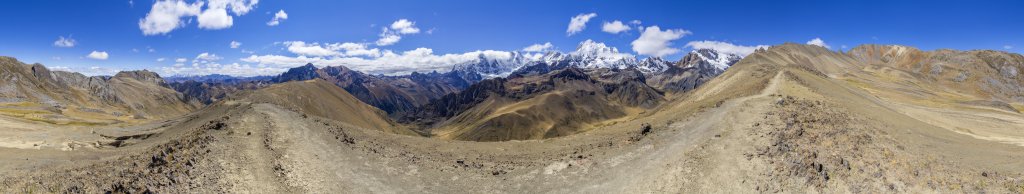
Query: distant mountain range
x=402, y=95
x=588, y=55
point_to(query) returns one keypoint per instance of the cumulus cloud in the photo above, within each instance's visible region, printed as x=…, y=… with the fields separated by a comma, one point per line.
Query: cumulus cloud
x=655, y=42
x=88, y=71
x=314, y=49
x=615, y=27
x=331, y=49
x=215, y=19
x=167, y=15
x=724, y=47
x=818, y=42
x=64, y=42
x=180, y=60
x=216, y=14
x=393, y=33
x=1007, y=47
x=388, y=39
x=233, y=69
x=61, y=68
x=578, y=23
x=278, y=17
x=404, y=26
x=98, y=55
x=206, y=58
x=161, y=59
x=235, y=44
x=539, y=47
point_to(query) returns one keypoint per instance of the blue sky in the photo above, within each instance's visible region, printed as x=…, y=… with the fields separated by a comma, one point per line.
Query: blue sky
x=32, y=29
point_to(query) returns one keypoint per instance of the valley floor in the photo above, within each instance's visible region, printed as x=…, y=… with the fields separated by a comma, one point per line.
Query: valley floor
x=799, y=133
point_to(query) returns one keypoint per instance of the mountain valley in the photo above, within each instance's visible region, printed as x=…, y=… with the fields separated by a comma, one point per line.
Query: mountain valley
x=785, y=118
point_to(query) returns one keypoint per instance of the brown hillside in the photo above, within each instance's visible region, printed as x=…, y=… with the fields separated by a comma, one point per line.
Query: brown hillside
x=321, y=98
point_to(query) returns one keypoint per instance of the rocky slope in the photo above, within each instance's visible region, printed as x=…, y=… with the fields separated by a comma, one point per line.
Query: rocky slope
x=393, y=94
x=34, y=92
x=692, y=70
x=554, y=104
x=209, y=91
x=986, y=74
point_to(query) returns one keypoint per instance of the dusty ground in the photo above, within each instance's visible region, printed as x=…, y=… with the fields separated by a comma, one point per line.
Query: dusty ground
x=796, y=132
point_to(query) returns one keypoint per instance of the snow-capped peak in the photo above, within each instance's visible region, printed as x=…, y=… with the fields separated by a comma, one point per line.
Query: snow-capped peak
x=720, y=60
x=591, y=54
x=489, y=66
x=593, y=48
x=653, y=64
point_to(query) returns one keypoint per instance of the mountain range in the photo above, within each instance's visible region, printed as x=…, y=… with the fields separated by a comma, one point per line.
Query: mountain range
x=401, y=95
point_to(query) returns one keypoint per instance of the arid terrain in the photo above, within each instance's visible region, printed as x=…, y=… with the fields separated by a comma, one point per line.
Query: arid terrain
x=789, y=118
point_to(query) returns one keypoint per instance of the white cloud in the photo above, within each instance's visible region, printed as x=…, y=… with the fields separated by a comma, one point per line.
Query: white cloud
x=206, y=58
x=278, y=17
x=235, y=44
x=404, y=26
x=355, y=49
x=1007, y=47
x=724, y=47
x=539, y=47
x=98, y=55
x=615, y=27
x=578, y=23
x=388, y=39
x=233, y=69
x=657, y=43
x=215, y=19
x=216, y=16
x=61, y=68
x=239, y=7
x=181, y=60
x=417, y=60
x=87, y=71
x=314, y=49
x=64, y=42
x=152, y=50
x=165, y=16
x=161, y=59
x=393, y=33
x=332, y=49
x=818, y=42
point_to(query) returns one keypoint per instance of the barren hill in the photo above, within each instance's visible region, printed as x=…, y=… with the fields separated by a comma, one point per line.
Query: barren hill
x=559, y=103
x=323, y=99
x=33, y=92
